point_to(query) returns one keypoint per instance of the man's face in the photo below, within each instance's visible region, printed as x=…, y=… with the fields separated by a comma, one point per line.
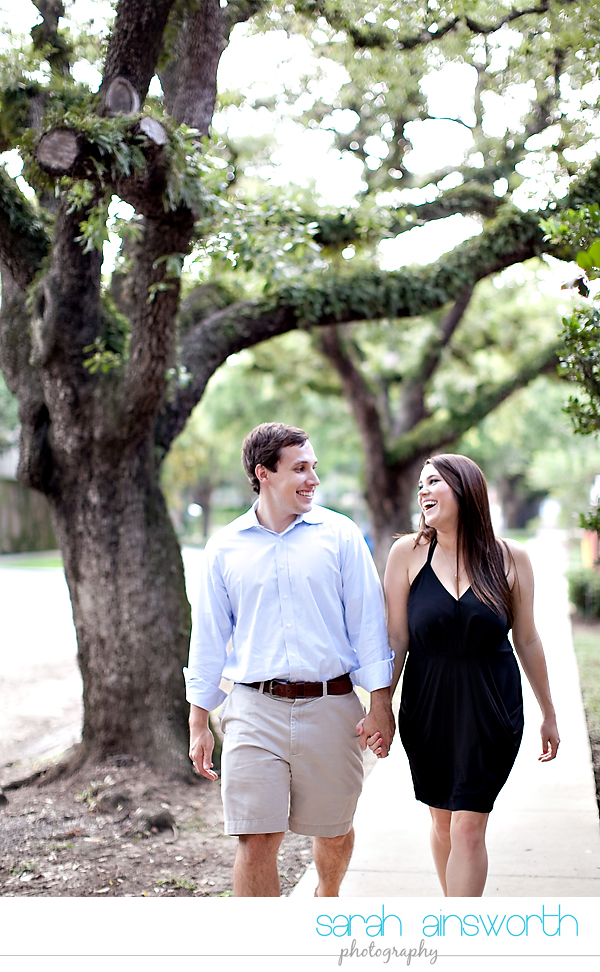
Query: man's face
x=291, y=487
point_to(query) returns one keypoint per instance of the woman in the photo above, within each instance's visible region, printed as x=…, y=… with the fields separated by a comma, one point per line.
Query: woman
x=453, y=592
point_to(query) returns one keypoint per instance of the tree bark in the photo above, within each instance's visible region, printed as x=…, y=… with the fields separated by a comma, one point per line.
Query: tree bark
x=125, y=576
x=389, y=492
x=519, y=503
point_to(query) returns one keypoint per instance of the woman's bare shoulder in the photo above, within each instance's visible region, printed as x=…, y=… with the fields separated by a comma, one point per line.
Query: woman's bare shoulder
x=407, y=555
x=516, y=559
x=517, y=550
x=404, y=546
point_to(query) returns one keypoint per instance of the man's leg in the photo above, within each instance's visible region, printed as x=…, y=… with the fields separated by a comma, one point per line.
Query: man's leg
x=255, y=872
x=332, y=856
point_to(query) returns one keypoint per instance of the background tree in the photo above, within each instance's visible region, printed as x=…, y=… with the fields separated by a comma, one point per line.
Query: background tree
x=9, y=422
x=107, y=372
x=580, y=352
x=417, y=396
x=287, y=378
x=528, y=452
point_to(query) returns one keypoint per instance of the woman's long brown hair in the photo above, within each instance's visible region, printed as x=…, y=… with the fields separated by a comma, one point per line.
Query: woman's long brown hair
x=482, y=553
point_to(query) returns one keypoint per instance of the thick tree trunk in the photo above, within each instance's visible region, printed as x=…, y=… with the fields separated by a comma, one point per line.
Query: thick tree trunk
x=519, y=503
x=125, y=577
x=390, y=492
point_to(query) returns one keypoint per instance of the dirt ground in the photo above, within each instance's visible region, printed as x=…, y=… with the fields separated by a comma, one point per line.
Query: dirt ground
x=119, y=831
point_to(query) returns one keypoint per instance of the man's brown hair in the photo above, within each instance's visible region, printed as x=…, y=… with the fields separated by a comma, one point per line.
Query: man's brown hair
x=262, y=447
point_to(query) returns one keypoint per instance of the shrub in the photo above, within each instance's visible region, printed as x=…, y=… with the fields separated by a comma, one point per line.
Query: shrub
x=584, y=591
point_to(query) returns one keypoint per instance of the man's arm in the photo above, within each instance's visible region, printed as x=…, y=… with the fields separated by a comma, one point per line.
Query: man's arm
x=365, y=623
x=212, y=630
x=202, y=742
x=397, y=589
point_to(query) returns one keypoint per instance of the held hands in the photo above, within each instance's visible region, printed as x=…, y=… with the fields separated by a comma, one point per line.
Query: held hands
x=374, y=742
x=376, y=730
x=550, y=740
x=201, y=746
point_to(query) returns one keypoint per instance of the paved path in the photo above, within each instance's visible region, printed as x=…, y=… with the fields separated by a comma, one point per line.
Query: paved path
x=40, y=684
x=543, y=835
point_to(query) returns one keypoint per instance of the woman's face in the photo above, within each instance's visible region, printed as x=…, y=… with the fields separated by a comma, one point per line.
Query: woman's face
x=436, y=499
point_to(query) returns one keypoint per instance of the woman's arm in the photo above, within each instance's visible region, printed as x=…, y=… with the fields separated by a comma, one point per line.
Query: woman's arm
x=529, y=648
x=397, y=587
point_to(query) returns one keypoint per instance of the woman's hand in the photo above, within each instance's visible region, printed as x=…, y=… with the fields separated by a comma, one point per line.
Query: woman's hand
x=550, y=739
x=374, y=742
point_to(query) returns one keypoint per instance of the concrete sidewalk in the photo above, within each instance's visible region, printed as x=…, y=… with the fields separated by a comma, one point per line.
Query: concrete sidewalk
x=543, y=835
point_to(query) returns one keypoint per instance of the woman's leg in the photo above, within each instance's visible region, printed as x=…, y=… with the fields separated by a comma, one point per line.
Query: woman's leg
x=440, y=842
x=466, y=870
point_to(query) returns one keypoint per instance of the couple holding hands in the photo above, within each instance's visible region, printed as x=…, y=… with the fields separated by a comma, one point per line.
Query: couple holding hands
x=294, y=588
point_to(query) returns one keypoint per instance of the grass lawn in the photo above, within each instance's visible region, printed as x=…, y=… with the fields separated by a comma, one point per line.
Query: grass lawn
x=586, y=638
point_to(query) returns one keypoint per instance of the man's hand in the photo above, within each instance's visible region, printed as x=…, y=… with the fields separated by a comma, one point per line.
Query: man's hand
x=377, y=729
x=202, y=743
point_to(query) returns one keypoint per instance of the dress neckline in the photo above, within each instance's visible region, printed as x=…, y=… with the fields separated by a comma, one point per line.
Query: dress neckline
x=432, y=547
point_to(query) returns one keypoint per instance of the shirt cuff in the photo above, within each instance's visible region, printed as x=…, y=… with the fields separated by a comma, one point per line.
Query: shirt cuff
x=202, y=693
x=375, y=676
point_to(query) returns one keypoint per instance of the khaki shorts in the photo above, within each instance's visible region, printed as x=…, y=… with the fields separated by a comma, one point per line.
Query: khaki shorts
x=290, y=765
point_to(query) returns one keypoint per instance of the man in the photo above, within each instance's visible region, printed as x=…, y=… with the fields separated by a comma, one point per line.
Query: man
x=296, y=590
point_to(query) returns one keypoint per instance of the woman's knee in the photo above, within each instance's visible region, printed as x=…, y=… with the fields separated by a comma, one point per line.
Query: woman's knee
x=467, y=830
x=441, y=822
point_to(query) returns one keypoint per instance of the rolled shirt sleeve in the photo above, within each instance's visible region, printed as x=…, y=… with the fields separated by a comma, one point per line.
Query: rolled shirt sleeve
x=365, y=614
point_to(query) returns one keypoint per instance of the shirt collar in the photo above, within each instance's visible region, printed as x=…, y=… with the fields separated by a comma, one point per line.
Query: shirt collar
x=249, y=519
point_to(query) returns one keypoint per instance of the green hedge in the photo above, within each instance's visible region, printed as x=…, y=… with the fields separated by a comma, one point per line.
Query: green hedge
x=584, y=591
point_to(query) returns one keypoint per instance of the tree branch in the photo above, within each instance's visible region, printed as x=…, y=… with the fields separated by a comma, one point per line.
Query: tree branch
x=135, y=44
x=442, y=429
x=203, y=38
x=152, y=299
x=66, y=306
x=365, y=36
x=189, y=79
x=413, y=391
x=24, y=241
x=367, y=295
x=47, y=33
x=469, y=199
x=356, y=388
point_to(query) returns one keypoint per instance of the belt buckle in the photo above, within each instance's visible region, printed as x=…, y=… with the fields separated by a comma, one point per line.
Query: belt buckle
x=273, y=682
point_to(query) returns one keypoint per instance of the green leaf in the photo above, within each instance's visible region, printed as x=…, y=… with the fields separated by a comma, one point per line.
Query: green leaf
x=584, y=260
x=594, y=253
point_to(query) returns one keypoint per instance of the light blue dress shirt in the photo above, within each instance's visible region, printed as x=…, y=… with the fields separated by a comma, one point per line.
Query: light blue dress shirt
x=302, y=605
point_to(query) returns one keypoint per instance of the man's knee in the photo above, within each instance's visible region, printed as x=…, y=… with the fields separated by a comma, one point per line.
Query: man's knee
x=340, y=841
x=260, y=845
x=334, y=846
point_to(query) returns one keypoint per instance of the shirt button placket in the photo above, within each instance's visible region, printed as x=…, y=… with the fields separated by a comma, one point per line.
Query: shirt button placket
x=286, y=607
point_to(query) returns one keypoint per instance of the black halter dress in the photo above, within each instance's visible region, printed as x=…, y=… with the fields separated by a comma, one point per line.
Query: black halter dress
x=461, y=714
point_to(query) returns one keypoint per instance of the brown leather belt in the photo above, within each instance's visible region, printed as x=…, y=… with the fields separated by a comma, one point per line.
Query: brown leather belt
x=303, y=690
